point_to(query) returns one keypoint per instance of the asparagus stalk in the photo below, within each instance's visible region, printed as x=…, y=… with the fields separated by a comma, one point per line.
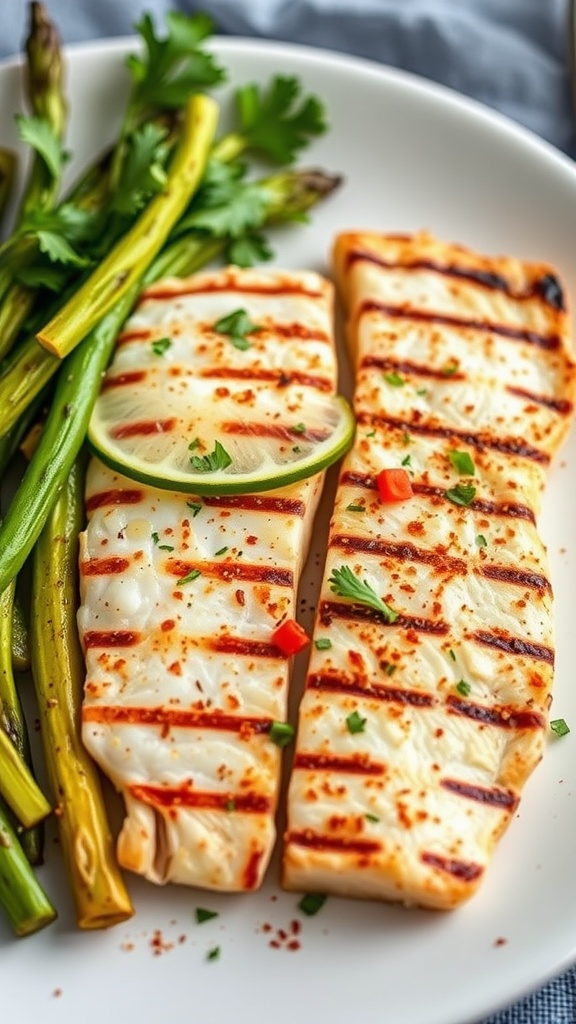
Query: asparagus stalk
x=130, y=257
x=58, y=670
x=44, y=84
x=44, y=81
x=18, y=786
x=23, y=899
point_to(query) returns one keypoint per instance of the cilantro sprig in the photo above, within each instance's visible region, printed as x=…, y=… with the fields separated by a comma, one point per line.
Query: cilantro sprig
x=345, y=583
x=277, y=121
x=212, y=461
x=237, y=325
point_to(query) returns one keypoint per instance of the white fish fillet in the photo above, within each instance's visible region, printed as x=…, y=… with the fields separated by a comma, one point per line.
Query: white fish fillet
x=454, y=352
x=183, y=678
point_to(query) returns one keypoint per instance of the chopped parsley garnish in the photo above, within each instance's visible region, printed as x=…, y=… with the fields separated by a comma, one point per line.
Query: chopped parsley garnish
x=230, y=805
x=237, y=326
x=155, y=537
x=355, y=723
x=452, y=654
x=203, y=915
x=299, y=428
x=422, y=392
x=406, y=438
x=407, y=460
x=213, y=461
x=462, y=462
x=371, y=433
x=195, y=506
x=194, y=444
x=481, y=540
x=463, y=688
x=213, y=954
x=311, y=903
x=371, y=817
x=323, y=643
x=192, y=575
x=394, y=379
x=355, y=508
x=221, y=551
x=165, y=547
x=296, y=448
x=160, y=346
x=344, y=583
x=281, y=733
x=560, y=726
x=461, y=494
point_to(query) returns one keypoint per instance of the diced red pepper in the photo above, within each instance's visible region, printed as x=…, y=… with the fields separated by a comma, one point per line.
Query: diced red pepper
x=394, y=485
x=290, y=637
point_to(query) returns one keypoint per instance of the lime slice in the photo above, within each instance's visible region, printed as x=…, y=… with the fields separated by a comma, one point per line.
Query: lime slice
x=211, y=445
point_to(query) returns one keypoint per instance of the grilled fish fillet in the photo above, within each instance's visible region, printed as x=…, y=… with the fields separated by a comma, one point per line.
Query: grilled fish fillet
x=180, y=595
x=416, y=736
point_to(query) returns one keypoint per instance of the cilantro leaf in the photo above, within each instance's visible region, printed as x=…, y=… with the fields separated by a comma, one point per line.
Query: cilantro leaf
x=59, y=250
x=40, y=134
x=250, y=249
x=226, y=205
x=344, y=583
x=172, y=68
x=213, y=461
x=142, y=171
x=276, y=121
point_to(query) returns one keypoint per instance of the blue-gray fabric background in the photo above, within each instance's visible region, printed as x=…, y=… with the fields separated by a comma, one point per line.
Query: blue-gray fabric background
x=511, y=55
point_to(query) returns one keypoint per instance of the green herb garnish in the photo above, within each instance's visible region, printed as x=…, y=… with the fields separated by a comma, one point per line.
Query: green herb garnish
x=203, y=915
x=192, y=575
x=355, y=723
x=461, y=494
x=560, y=727
x=323, y=643
x=394, y=379
x=462, y=462
x=160, y=346
x=237, y=326
x=463, y=688
x=213, y=461
x=344, y=583
x=311, y=903
x=281, y=733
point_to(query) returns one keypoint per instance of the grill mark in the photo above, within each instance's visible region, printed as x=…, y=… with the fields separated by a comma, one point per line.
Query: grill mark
x=514, y=645
x=281, y=378
x=506, y=717
x=163, y=294
x=549, y=342
x=465, y=871
x=283, y=433
x=534, y=580
x=324, y=843
x=405, y=366
x=251, y=873
x=396, y=694
x=233, y=571
x=258, y=503
x=402, y=552
x=246, y=648
x=186, y=797
x=358, y=764
x=505, y=445
x=512, y=509
x=560, y=405
x=330, y=610
x=137, y=334
x=173, y=718
x=493, y=796
x=111, y=638
x=547, y=288
x=143, y=428
x=122, y=379
x=104, y=566
x=114, y=496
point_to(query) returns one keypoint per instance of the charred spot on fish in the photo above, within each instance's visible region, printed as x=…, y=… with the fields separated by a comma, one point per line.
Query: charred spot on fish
x=551, y=291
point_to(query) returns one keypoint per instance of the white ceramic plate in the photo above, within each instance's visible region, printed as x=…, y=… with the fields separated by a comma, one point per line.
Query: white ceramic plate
x=413, y=156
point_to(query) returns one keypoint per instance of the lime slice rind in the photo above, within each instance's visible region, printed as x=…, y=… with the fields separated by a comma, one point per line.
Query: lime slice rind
x=266, y=464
